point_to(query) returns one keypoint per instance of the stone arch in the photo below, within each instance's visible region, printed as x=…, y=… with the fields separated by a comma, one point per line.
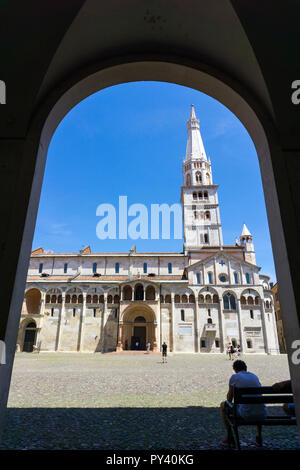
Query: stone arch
x=217, y=83
x=139, y=292
x=127, y=292
x=32, y=301
x=150, y=293
x=138, y=321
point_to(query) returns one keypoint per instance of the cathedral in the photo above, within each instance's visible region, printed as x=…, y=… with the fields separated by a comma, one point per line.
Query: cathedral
x=198, y=301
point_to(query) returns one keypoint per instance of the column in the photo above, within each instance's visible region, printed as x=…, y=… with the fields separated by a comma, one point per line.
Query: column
x=82, y=323
x=196, y=323
x=155, y=335
x=120, y=339
x=158, y=321
x=263, y=323
x=60, y=322
x=42, y=312
x=240, y=322
x=221, y=328
x=43, y=300
x=241, y=275
x=103, y=322
x=203, y=276
x=173, y=320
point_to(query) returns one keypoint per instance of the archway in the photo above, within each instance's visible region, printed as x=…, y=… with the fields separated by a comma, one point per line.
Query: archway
x=177, y=70
x=32, y=301
x=137, y=328
x=29, y=337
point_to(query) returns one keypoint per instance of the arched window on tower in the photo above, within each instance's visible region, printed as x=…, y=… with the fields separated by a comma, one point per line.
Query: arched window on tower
x=170, y=268
x=207, y=178
x=236, y=278
x=198, y=177
x=206, y=238
x=198, y=278
x=117, y=268
x=200, y=195
x=188, y=179
x=247, y=278
x=194, y=195
x=145, y=268
x=205, y=195
x=207, y=215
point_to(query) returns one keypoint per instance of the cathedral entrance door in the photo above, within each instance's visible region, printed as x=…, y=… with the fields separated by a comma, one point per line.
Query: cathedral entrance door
x=139, y=334
x=29, y=338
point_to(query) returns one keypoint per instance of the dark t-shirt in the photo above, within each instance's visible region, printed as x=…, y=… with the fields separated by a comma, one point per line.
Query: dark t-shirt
x=164, y=347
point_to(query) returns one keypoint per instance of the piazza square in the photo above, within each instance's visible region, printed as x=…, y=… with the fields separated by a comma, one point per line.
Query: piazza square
x=131, y=401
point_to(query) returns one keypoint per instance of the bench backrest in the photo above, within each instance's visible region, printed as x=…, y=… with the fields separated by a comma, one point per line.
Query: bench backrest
x=260, y=395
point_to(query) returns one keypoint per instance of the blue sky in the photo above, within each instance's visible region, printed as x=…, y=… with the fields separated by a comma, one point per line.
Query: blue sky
x=130, y=140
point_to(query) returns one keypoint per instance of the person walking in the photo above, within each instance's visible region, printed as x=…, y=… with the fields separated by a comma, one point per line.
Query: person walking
x=148, y=347
x=164, y=352
x=137, y=345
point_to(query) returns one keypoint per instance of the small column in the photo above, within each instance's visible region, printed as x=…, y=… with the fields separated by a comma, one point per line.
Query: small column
x=240, y=322
x=263, y=322
x=120, y=340
x=155, y=333
x=221, y=327
x=43, y=301
x=241, y=275
x=215, y=271
x=82, y=323
x=203, y=276
x=173, y=321
x=144, y=293
x=60, y=322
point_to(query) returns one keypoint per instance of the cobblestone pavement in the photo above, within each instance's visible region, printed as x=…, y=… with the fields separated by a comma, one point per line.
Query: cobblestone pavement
x=81, y=401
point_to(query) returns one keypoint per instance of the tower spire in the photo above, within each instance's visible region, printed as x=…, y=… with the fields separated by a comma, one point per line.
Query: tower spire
x=201, y=215
x=195, y=148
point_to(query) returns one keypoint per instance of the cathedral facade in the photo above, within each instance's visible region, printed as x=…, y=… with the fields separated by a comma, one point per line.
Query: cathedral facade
x=198, y=301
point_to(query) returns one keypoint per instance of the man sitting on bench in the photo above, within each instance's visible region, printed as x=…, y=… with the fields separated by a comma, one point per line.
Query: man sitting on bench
x=243, y=379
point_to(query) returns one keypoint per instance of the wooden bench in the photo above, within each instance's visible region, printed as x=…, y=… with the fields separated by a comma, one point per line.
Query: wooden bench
x=257, y=395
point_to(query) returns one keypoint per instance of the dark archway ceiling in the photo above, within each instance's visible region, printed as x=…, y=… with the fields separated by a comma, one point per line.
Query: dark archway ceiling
x=43, y=43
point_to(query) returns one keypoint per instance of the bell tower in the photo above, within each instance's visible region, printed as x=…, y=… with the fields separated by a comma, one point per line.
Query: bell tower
x=199, y=197
x=246, y=240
